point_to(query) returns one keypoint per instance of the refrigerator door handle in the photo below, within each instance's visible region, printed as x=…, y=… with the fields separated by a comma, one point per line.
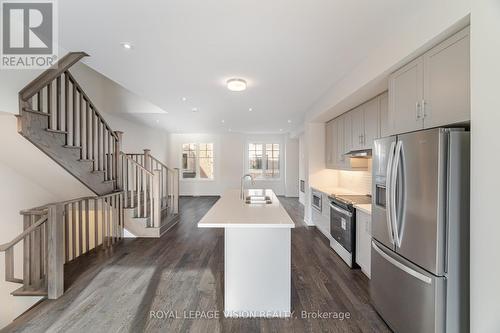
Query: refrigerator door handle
x=388, y=192
x=402, y=267
x=394, y=175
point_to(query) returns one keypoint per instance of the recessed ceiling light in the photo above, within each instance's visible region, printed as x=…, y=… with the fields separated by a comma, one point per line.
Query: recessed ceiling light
x=127, y=45
x=289, y=121
x=223, y=121
x=157, y=121
x=194, y=109
x=236, y=84
x=250, y=109
x=281, y=130
x=184, y=99
x=230, y=130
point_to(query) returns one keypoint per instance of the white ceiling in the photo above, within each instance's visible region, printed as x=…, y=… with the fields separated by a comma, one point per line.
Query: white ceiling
x=289, y=51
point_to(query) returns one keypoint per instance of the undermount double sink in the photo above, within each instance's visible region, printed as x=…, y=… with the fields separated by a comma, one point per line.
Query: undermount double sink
x=258, y=196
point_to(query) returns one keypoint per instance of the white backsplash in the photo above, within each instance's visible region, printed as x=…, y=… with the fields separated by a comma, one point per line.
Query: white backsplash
x=357, y=181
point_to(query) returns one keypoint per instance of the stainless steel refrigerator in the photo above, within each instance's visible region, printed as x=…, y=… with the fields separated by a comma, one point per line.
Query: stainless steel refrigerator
x=420, y=245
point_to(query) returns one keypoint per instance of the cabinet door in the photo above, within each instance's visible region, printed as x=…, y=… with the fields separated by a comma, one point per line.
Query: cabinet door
x=340, y=158
x=405, y=98
x=384, y=114
x=347, y=132
x=371, y=121
x=358, y=127
x=329, y=142
x=363, y=242
x=447, y=82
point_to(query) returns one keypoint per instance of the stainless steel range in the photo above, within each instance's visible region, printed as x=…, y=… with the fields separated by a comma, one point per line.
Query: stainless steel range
x=343, y=225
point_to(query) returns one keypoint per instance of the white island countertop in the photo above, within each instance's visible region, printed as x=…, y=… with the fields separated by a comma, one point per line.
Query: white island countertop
x=232, y=212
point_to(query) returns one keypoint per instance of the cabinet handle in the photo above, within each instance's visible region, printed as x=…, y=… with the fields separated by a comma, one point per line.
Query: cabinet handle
x=424, y=113
x=417, y=109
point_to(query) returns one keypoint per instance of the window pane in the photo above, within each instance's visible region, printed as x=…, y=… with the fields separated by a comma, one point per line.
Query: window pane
x=207, y=161
x=255, y=160
x=189, y=160
x=273, y=160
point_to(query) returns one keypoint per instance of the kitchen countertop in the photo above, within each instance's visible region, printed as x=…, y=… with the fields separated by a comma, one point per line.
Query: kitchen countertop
x=332, y=191
x=365, y=208
x=231, y=212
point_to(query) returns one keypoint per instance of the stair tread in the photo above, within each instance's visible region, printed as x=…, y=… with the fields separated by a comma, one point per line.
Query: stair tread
x=36, y=112
x=85, y=160
x=29, y=292
x=72, y=147
x=56, y=131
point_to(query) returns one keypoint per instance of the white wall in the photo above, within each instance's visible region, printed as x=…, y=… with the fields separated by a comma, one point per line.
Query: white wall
x=230, y=161
x=485, y=179
x=315, y=169
x=302, y=165
x=292, y=167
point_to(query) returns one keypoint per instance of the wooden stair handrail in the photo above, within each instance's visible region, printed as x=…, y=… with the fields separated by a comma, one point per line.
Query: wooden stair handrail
x=43, y=209
x=51, y=74
x=6, y=246
x=162, y=164
x=135, y=163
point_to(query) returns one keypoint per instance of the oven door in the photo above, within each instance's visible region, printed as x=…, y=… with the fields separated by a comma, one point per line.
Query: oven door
x=342, y=227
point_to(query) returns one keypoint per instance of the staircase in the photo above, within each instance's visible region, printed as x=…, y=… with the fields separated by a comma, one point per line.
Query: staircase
x=58, y=117
x=150, y=194
x=136, y=192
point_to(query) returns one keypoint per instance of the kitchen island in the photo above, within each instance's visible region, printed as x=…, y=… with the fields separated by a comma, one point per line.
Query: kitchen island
x=257, y=255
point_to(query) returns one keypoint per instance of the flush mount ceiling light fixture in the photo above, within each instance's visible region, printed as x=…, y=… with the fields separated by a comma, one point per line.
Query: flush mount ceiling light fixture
x=236, y=84
x=127, y=45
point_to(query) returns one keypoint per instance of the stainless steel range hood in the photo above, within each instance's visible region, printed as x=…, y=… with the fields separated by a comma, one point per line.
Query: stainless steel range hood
x=365, y=153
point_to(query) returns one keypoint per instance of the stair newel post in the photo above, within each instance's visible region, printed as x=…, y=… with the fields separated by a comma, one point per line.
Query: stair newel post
x=55, y=251
x=118, y=160
x=156, y=198
x=176, y=191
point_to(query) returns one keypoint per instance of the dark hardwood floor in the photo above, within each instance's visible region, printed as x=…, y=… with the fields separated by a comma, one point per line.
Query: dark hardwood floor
x=116, y=290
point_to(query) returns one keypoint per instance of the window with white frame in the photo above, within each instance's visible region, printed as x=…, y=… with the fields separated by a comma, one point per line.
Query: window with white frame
x=264, y=160
x=198, y=161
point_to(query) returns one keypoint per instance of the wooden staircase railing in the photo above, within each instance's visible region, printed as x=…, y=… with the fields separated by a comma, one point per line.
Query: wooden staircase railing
x=57, y=94
x=58, y=233
x=150, y=186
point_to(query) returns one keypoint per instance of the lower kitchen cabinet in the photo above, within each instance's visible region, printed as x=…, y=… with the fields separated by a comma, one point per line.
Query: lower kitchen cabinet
x=363, y=241
x=321, y=222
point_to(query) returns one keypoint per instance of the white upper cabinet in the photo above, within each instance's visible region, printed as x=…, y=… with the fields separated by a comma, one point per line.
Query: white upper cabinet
x=330, y=140
x=432, y=90
x=340, y=161
x=447, y=82
x=347, y=132
x=358, y=127
x=384, y=115
x=371, y=122
x=406, y=92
